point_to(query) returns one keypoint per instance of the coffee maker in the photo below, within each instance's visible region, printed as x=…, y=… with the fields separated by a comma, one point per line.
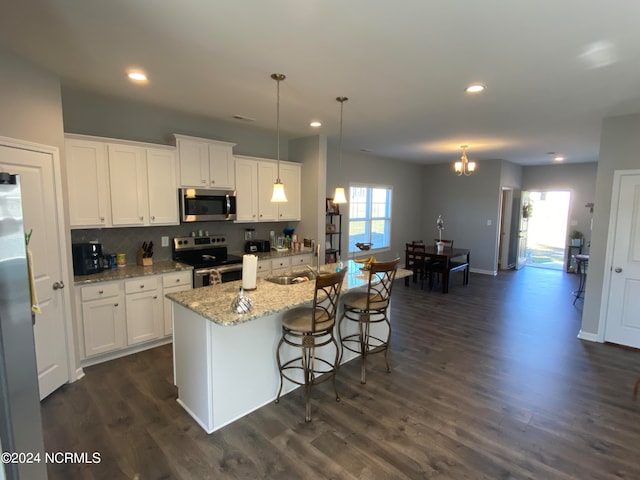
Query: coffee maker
x=87, y=258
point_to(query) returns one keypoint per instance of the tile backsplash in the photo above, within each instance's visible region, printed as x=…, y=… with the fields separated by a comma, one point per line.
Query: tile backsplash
x=128, y=240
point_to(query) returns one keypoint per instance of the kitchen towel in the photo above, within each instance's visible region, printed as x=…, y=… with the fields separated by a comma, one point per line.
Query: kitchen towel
x=35, y=307
x=249, y=272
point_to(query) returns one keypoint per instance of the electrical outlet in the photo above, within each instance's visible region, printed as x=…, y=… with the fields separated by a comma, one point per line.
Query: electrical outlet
x=489, y=223
x=165, y=241
x=247, y=235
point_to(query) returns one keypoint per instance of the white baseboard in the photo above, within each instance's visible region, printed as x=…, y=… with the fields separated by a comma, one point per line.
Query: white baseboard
x=591, y=337
x=484, y=272
x=87, y=362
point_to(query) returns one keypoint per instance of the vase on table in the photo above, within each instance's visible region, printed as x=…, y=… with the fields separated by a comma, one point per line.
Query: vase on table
x=440, y=247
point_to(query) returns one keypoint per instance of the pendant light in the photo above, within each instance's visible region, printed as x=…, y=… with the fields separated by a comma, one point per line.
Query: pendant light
x=339, y=196
x=278, y=188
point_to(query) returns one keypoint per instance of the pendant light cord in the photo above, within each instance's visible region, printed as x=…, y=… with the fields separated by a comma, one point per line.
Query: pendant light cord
x=278, y=125
x=341, y=100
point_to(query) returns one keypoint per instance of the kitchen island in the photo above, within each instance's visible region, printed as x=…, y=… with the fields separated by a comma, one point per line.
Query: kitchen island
x=224, y=362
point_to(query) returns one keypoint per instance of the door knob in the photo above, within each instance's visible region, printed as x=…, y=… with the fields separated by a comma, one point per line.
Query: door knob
x=618, y=270
x=58, y=285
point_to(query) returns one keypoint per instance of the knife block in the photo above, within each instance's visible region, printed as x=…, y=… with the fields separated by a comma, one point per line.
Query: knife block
x=143, y=261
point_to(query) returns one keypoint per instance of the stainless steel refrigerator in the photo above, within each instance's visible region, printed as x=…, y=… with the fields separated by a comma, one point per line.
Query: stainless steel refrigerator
x=20, y=419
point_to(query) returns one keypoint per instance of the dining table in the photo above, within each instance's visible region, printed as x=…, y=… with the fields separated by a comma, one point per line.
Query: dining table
x=445, y=258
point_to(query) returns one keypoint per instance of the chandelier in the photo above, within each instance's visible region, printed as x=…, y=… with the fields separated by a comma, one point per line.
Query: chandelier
x=464, y=166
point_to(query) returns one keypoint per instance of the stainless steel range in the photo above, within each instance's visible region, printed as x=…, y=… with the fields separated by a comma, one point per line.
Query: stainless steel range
x=206, y=254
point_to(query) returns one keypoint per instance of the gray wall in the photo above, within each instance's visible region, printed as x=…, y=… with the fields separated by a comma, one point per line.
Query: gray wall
x=406, y=180
x=467, y=204
x=104, y=116
x=577, y=178
x=312, y=153
x=31, y=104
x=619, y=150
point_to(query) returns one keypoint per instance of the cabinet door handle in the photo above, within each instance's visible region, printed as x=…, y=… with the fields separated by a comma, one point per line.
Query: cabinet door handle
x=153, y=217
x=141, y=286
x=102, y=219
x=155, y=296
x=100, y=292
x=141, y=218
x=618, y=270
x=213, y=181
x=115, y=304
x=177, y=280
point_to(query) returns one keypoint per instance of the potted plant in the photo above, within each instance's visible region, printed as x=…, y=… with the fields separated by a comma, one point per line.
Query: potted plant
x=576, y=237
x=440, y=226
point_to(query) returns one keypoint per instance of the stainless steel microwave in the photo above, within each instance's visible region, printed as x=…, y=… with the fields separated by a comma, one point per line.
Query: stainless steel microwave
x=204, y=205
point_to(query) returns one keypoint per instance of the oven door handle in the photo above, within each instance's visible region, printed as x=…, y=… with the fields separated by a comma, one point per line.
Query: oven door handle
x=221, y=269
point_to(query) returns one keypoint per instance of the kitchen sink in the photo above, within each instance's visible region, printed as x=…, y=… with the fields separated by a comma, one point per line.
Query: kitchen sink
x=290, y=278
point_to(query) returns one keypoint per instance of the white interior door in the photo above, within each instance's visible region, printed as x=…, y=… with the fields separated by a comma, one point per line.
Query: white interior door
x=623, y=319
x=523, y=228
x=40, y=211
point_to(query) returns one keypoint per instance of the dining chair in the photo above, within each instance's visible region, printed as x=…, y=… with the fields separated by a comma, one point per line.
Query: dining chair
x=368, y=308
x=415, y=261
x=436, y=267
x=309, y=328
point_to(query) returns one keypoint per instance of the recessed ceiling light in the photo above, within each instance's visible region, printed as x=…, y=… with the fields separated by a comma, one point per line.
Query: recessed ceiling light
x=315, y=124
x=137, y=76
x=475, y=88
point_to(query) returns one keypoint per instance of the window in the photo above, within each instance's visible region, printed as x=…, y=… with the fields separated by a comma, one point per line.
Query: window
x=369, y=216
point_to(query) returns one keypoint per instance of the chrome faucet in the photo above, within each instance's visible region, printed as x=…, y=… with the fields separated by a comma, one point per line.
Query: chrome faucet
x=310, y=268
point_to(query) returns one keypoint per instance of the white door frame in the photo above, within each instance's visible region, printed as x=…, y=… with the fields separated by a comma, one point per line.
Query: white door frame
x=74, y=373
x=608, y=258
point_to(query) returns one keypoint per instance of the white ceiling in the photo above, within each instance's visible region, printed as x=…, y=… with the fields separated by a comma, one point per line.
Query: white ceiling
x=554, y=68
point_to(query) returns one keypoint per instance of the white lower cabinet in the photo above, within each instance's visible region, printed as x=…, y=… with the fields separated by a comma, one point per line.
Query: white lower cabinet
x=115, y=316
x=281, y=264
x=145, y=320
x=103, y=318
x=301, y=261
x=172, y=283
x=264, y=268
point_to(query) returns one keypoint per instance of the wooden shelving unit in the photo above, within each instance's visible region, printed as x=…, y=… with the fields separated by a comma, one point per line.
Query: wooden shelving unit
x=333, y=232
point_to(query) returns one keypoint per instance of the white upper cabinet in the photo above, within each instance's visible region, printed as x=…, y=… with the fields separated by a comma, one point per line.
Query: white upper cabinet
x=254, y=186
x=291, y=177
x=246, y=190
x=205, y=163
x=162, y=186
x=120, y=183
x=267, y=211
x=87, y=183
x=129, y=191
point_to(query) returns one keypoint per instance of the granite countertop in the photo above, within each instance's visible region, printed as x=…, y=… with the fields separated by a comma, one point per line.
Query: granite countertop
x=130, y=271
x=274, y=254
x=214, y=302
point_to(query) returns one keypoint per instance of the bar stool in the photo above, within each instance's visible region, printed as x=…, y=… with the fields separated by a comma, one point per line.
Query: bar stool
x=368, y=308
x=308, y=328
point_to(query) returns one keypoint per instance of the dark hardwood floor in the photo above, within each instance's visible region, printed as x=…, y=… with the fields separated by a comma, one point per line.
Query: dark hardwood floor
x=487, y=382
